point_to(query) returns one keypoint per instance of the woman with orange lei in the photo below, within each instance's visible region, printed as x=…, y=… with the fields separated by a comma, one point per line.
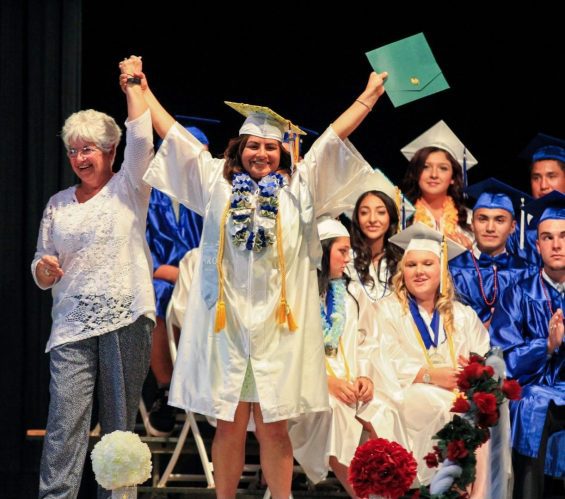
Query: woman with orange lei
x=435, y=180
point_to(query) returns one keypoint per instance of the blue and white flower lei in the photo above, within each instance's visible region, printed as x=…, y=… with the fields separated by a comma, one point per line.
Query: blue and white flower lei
x=333, y=326
x=254, y=210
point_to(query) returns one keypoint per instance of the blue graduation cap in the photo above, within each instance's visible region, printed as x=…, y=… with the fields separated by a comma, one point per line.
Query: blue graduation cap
x=544, y=146
x=189, y=121
x=549, y=207
x=492, y=193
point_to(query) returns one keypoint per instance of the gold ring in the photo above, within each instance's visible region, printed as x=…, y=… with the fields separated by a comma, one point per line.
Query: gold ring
x=46, y=271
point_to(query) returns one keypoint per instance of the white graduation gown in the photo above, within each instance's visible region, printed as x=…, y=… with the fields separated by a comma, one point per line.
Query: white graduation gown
x=379, y=290
x=288, y=367
x=424, y=409
x=316, y=437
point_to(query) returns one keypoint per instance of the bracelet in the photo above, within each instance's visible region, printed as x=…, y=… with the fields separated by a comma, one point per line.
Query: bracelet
x=134, y=80
x=363, y=104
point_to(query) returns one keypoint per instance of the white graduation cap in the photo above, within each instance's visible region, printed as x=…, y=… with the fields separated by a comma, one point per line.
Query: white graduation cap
x=441, y=136
x=421, y=237
x=378, y=181
x=329, y=228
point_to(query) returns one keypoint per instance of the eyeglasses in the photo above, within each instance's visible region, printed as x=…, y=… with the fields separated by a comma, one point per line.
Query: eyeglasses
x=85, y=151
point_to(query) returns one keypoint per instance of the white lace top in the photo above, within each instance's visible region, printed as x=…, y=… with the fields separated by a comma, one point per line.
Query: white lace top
x=101, y=248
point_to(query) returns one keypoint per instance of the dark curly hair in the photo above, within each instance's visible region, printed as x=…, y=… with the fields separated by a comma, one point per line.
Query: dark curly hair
x=362, y=250
x=411, y=187
x=234, y=165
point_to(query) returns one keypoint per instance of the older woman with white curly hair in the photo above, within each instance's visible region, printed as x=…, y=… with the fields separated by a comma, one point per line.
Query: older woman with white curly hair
x=92, y=254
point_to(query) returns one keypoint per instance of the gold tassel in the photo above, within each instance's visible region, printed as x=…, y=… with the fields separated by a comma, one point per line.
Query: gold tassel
x=444, y=268
x=220, y=322
x=398, y=201
x=292, y=326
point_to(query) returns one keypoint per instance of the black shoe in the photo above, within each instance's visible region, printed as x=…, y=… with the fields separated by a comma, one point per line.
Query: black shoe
x=162, y=416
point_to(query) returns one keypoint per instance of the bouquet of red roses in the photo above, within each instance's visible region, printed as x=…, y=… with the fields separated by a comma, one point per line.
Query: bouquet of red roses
x=482, y=389
x=382, y=468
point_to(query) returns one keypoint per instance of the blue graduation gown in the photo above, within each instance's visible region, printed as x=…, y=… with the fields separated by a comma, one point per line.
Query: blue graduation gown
x=510, y=270
x=529, y=252
x=520, y=327
x=169, y=240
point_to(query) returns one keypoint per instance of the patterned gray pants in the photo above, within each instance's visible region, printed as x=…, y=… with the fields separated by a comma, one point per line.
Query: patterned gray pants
x=120, y=361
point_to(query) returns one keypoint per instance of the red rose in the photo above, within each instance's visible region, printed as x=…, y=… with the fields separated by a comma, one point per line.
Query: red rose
x=460, y=405
x=431, y=460
x=484, y=420
x=486, y=402
x=512, y=389
x=468, y=374
x=476, y=358
x=456, y=449
x=382, y=468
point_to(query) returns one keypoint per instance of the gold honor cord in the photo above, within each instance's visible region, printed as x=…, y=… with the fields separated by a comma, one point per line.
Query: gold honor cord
x=284, y=314
x=220, y=321
x=329, y=369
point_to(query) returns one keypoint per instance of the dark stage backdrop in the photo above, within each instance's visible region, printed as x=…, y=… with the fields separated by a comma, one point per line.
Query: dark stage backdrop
x=57, y=56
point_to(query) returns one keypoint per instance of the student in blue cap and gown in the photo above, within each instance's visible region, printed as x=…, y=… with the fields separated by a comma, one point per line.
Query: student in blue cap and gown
x=172, y=230
x=547, y=173
x=253, y=345
x=482, y=273
x=528, y=326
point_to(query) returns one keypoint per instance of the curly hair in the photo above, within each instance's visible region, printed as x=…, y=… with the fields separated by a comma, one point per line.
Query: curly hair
x=233, y=152
x=411, y=187
x=91, y=126
x=443, y=303
x=361, y=248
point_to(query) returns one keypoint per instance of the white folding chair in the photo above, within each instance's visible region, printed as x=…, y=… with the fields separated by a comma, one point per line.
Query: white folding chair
x=189, y=423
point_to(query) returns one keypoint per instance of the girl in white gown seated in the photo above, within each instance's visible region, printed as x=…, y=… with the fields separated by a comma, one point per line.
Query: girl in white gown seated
x=329, y=439
x=425, y=336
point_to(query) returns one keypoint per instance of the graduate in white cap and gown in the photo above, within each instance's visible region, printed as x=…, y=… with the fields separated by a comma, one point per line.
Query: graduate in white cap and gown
x=253, y=344
x=328, y=440
x=380, y=211
x=425, y=335
x=435, y=180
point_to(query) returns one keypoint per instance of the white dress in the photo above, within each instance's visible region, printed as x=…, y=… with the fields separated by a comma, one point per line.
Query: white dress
x=288, y=367
x=316, y=437
x=424, y=409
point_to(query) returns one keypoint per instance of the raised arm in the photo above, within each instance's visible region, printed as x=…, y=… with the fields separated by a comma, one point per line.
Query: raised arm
x=136, y=102
x=346, y=124
x=162, y=120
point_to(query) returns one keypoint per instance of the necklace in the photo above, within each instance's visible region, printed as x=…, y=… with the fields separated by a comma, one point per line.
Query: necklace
x=481, y=286
x=333, y=316
x=254, y=211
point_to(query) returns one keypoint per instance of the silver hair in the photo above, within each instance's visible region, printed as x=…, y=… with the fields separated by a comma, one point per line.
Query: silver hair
x=91, y=126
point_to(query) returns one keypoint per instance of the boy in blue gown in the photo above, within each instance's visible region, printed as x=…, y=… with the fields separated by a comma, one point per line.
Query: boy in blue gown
x=528, y=326
x=546, y=155
x=481, y=274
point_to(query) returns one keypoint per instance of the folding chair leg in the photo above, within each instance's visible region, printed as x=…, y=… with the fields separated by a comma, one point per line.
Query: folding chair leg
x=144, y=415
x=175, y=456
x=206, y=464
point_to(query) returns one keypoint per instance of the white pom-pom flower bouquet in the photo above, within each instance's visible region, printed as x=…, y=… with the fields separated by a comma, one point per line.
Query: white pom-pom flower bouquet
x=120, y=459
